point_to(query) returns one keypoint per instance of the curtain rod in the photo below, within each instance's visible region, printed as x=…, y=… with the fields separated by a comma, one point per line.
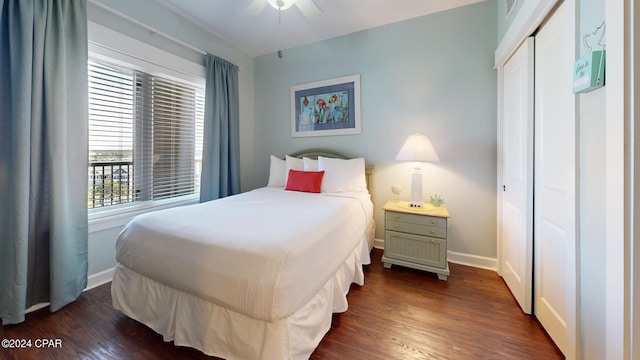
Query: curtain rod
x=153, y=30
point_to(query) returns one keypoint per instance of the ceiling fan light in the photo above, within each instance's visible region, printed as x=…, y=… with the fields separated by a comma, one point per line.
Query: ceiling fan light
x=281, y=4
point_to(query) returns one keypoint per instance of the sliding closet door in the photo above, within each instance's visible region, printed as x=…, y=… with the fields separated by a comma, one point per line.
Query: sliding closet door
x=555, y=180
x=516, y=230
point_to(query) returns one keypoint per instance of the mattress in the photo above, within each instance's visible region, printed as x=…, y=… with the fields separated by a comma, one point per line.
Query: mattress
x=263, y=254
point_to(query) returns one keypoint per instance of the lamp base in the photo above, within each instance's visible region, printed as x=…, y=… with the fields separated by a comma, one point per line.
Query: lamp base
x=416, y=190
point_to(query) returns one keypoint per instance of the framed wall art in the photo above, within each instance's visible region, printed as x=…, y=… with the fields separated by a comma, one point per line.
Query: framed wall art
x=328, y=107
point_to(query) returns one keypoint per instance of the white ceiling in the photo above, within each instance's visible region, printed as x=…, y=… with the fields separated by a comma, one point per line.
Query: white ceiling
x=261, y=34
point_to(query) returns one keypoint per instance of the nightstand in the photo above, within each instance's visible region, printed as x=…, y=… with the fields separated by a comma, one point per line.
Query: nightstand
x=416, y=237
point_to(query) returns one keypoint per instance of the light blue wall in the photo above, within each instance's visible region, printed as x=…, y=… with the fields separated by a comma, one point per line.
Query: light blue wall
x=432, y=75
x=102, y=250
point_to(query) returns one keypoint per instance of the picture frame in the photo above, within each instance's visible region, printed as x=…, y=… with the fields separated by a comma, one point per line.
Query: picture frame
x=327, y=107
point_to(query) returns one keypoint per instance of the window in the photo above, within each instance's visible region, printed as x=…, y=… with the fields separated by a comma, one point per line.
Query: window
x=145, y=136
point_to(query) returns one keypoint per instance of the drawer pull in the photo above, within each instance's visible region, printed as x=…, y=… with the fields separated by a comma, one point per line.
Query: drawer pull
x=432, y=232
x=395, y=236
x=395, y=217
x=395, y=226
x=433, y=222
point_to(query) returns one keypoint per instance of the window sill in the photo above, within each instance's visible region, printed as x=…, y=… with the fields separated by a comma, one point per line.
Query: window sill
x=105, y=219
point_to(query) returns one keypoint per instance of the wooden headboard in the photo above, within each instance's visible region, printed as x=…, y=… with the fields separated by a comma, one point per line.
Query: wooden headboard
x=314, y=153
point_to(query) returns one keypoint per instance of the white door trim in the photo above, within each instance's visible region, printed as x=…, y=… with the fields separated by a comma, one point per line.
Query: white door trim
x=527, y=20
x=621, y=256
x=634, y=282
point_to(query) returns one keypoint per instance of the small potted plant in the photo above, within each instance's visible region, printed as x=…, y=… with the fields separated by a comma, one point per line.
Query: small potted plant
x=436, y=200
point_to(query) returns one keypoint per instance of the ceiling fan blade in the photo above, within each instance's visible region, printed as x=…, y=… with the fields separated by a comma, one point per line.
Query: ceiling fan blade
x=309, y=9
x=256, y=7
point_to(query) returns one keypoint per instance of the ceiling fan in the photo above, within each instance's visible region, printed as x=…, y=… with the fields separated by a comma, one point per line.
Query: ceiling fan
x=308, y=8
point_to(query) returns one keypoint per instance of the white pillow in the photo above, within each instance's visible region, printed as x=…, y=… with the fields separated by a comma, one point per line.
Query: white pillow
x=310, y=164
x=292, y=163
x=277, y=172
x=342, y=175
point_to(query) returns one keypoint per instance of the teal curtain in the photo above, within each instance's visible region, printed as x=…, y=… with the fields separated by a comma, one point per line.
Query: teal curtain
x=221, y=139
x=43, y=154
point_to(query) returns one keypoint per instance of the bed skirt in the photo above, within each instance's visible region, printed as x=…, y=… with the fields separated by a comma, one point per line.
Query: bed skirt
x=188, y=320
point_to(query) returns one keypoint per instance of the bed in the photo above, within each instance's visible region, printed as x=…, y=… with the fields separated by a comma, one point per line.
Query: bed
x=256, y=275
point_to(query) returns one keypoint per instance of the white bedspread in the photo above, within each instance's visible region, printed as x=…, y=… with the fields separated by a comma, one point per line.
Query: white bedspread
x=263, y=253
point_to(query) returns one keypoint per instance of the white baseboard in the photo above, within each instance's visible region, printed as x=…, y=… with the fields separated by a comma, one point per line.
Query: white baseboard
x=37, y=307
x=459, y=258
x=378, y=243
x=473, y=260
x=93, y=281
x=100, y=278
x=105, y=276
x=482, y=262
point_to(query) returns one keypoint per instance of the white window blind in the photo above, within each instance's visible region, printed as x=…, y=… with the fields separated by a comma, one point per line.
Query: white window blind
x=110, y=135
x=150, y=146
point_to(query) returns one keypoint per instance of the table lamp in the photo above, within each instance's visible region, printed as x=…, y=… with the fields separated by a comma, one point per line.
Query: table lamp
x=417, y=148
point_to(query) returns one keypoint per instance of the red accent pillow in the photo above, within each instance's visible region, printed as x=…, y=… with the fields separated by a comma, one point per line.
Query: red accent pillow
x=305, y=181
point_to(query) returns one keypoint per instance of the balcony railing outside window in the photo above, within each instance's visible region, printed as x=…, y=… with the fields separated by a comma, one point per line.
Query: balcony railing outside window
x=110, y=183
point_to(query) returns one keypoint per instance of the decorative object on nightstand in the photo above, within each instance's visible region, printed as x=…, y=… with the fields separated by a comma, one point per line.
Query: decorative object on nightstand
x=416, y=237
x=436, y=200
x=417, y=148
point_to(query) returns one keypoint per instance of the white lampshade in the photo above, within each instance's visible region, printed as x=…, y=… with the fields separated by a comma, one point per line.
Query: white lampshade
x=281, y=4
x=418, y=147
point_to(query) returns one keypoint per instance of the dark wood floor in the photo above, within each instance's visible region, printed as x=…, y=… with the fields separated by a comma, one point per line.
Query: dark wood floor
x=399, y=313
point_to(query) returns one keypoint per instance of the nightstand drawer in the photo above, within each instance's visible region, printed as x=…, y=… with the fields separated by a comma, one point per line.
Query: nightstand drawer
x=417, y=249
x=417, y=229
x=416, y=219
